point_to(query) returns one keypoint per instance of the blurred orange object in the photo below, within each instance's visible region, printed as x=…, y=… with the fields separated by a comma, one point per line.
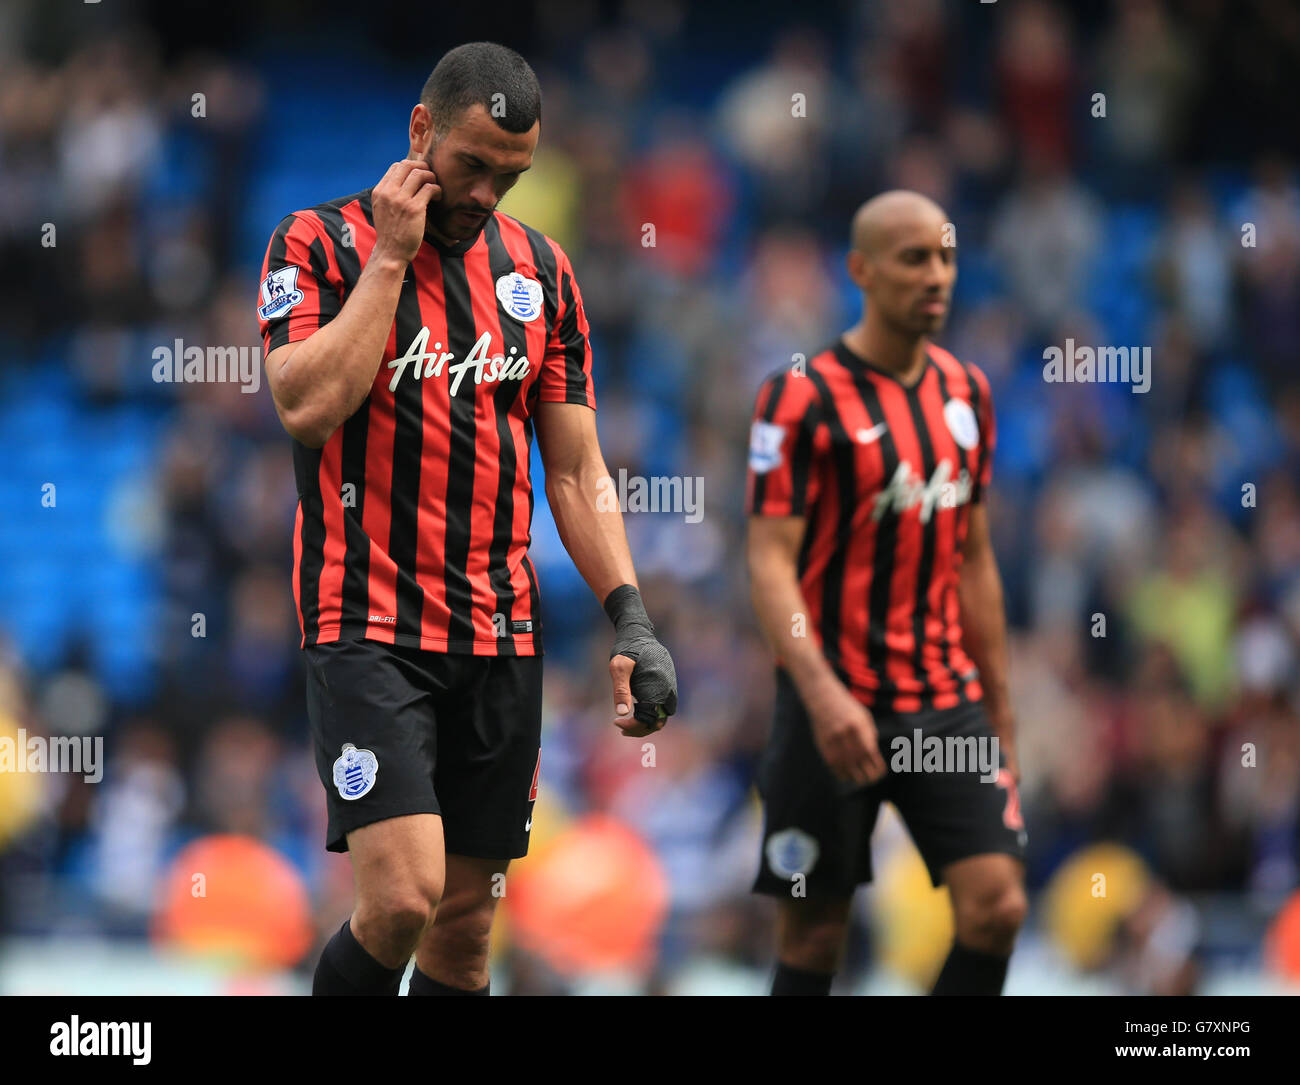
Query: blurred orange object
x=1282, y=943
x=593, y=900
x=233, y=896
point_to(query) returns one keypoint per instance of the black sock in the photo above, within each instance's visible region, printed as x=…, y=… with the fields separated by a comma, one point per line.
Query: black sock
x=795, y=981
x=423, y=985
x=971, y=972
x=345, y=968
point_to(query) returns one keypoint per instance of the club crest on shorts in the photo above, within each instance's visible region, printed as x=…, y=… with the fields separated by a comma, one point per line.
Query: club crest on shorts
x=355, y=771
x=520, y=296
x=961, y=423
x=791, y=852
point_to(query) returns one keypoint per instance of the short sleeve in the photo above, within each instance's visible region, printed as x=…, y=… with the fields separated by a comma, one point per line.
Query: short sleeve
x=566, y=366
x=296, y=296
x=983, y=396
x=782, y=447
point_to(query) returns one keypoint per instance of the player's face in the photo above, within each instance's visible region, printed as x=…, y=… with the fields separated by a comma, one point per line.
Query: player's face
x=476, y=163
x=909, y=281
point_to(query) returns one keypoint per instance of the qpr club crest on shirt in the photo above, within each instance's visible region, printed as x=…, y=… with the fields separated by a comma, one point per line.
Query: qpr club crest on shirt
x=520, y=296
x=280, y=292
x=355, y=771
x=961, y=423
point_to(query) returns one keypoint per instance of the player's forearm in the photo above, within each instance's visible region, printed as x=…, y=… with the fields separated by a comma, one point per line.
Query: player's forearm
x=325, y=380
x=590, y=523
x=782, y=616
x=984, y=630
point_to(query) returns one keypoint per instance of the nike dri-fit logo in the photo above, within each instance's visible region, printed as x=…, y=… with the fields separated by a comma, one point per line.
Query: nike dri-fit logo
x=866, y=436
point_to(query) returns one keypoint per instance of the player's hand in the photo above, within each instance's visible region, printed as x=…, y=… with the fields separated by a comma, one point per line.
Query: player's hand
x=399, y=204
x=845, y=733
x=1013, y=762
x=643, y=713
x=645, y=680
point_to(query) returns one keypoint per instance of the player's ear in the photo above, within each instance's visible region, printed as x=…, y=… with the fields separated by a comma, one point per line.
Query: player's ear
x=421, y=131
x=857, y=267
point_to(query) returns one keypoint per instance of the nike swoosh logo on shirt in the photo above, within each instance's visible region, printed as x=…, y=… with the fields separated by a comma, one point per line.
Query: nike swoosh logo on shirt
x=866, y=436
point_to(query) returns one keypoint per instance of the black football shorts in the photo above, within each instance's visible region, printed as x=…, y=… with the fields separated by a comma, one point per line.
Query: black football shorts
x=400, y=730
x=819, y=828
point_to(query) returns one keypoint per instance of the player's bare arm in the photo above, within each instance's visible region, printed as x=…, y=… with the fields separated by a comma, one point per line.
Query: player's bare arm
x=592, y=532
x=319, y=382
x=984, y=629
x=842, y=726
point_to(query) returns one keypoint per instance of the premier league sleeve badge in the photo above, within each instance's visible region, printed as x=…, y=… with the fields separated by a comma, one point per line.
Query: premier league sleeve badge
x=355, y=771
x=280, y=292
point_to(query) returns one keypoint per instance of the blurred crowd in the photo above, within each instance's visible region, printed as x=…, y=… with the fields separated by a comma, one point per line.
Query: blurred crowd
x=1150, y=543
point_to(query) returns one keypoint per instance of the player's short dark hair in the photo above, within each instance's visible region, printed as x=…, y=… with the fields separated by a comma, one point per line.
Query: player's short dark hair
x=472, y=74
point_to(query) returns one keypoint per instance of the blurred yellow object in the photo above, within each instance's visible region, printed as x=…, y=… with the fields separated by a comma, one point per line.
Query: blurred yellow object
x=1194, y=616
x=1282, y=942
x=1083, y=911
x=915, y=918
x=233, y=896
x=550, y=199
x=550, y=820
x=593, y=900
x=20, y=792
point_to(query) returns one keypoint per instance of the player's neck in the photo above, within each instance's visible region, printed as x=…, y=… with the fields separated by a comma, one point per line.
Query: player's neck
x=902, y=355
x=431, y=235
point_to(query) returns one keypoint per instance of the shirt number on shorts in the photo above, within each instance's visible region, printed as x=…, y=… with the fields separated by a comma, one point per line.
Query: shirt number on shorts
x=1011, y=811
x=532, y=791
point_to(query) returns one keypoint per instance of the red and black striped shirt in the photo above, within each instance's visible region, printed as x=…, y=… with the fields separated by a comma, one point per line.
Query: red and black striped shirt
x=884, y=475
x=414, y=519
